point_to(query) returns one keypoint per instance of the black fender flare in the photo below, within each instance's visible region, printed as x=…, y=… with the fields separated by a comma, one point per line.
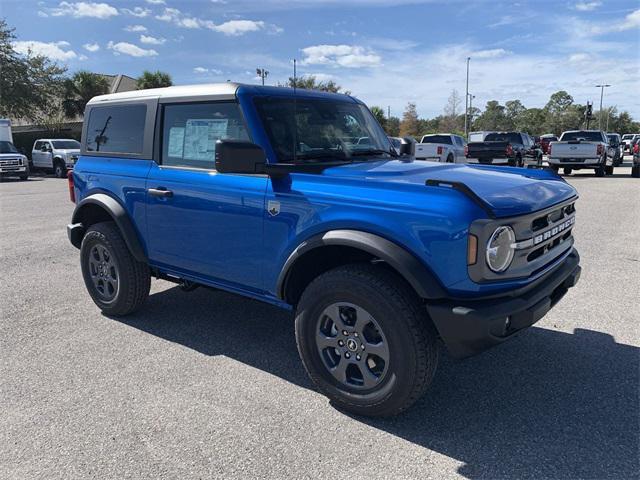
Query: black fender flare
x=119, y=216
x=406, y=264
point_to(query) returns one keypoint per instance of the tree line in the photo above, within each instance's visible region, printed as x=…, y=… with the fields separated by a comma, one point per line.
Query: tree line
x=34, y=88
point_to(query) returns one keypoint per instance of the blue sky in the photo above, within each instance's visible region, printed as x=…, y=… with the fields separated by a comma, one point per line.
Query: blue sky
x=387, y=52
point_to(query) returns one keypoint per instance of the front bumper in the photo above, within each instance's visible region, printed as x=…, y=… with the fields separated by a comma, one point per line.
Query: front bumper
x=8, y=171
x=469, y=327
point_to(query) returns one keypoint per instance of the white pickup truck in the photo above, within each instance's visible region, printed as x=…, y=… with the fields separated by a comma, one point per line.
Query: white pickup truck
x=441, y=147
x=581, y=149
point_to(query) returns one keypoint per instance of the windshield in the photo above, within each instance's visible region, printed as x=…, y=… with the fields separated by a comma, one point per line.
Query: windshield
x=446, y=139
x=627, y=137
x=66, y=144
x=582, y=135
x=549, y=139
x=613, y=138
x=503, y=137
x=7, y=147
x=324, y=130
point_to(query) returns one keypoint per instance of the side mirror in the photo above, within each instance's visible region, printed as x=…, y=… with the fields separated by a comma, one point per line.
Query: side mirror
x=408, y=148
x=237, y=156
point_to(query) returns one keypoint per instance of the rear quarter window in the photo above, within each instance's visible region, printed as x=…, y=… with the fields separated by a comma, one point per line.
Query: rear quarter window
x=116, y=129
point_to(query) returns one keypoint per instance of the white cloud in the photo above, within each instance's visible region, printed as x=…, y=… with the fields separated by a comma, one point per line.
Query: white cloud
x=230, y=28
x=631, y=21
x=506, y=20
x=130, y=49
x=84, y=9
x=135, y=28
x=137, y=12
x=350, y=56
x=202, y=70
x=42, y=14
x=83, y=57
x=91, y=47
x=237, y=27
x=156, y=2
x=586, y=6
x=52, y=50
x=492, y=53
x=579, y=58
x=149, y=40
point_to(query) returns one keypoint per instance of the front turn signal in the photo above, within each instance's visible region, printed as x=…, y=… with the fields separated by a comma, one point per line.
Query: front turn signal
x=472, y=250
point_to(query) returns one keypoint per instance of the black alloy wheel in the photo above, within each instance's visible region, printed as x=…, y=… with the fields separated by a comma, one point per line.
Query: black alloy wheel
x=352, y=346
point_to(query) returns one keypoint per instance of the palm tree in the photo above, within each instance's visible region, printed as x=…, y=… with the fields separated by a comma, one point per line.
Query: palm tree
x=81, y=88
x=155, y=79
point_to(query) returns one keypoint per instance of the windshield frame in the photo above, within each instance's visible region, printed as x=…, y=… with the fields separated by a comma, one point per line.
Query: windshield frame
x=355, y=149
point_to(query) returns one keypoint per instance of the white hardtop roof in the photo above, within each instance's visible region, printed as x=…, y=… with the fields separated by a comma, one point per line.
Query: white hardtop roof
x=208, y=89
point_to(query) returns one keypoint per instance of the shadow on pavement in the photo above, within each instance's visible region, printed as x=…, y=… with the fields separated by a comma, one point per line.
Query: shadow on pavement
x=547, y=404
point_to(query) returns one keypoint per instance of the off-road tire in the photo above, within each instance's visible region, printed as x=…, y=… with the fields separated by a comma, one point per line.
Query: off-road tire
x=134, y=278
x=635, y=171
x=59, y=169
x=410, y=335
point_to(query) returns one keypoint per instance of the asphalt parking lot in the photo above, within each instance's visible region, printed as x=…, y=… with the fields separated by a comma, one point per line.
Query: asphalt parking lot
x=209, y=385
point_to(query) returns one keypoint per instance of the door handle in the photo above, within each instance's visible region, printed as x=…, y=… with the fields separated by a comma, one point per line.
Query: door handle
x=160, y=192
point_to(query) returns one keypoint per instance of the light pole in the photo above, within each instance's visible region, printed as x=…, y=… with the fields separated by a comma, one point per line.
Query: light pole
x=601, y=87
x=471, y=97
x=466, y=104
x=262, y=73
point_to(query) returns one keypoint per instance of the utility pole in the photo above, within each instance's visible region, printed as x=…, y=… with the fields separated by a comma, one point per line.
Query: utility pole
x=262, y=73
x=388, y=111
x=601, y=87
x=466, y=105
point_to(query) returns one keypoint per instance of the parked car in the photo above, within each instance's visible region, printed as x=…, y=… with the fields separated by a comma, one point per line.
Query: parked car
x=441, y=147
x=635, y=169
x=513, y=148
x=381, y=259
x=545, y=140
x=12, y=162
x=615, y=148
x=404, y=146
x=55, y=154
x=627, y=140
x=581, y=149
x=479, y=136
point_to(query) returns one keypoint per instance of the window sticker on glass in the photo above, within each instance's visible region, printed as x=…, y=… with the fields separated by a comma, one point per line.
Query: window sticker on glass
x=200, y=138
x=176, y=141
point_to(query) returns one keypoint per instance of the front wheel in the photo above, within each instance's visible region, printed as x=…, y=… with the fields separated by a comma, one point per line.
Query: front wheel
x=567, y=170
x=117, y=282
x=608, y=170
x=365, y=340
x=60, y=170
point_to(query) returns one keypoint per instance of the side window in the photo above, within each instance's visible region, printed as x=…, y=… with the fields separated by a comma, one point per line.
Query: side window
x=190, y=132
x=116, y=129
x=37, y=146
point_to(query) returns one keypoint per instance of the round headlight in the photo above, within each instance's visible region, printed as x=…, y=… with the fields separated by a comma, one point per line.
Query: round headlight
x=500, y=250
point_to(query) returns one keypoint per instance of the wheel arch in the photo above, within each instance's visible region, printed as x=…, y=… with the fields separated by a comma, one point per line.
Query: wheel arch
x=100, y=207
x=328, y=250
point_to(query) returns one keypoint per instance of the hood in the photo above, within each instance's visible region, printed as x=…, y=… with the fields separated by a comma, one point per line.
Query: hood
x=507, y=191
x=12, y=155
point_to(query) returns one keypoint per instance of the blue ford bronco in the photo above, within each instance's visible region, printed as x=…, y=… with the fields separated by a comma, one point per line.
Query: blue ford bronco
x=298, y=199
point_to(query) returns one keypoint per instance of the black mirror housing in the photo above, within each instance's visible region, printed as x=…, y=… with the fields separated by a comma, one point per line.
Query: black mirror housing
x=238, y=156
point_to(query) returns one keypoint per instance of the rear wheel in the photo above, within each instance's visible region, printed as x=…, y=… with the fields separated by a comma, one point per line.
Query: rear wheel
x=365, y=340
x=450, y=158
x=608, y=170
x=635, y=171
x=567, y=170
x=600, y=172
x=117, y=282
